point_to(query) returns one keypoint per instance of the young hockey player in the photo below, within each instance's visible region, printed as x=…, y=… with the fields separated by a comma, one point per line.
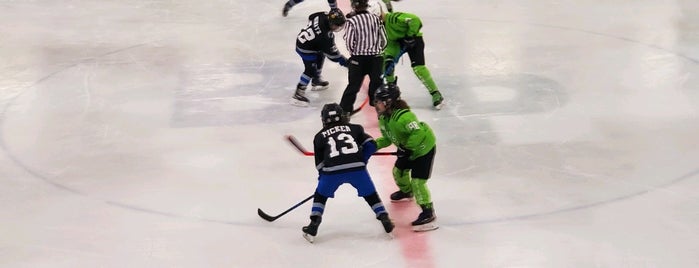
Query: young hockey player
x=291, y=3
x=313, y=44
x=342, y=151
x=416, y=144
x=404, y=36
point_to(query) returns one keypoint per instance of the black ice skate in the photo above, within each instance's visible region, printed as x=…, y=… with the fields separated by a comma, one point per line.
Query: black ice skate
x=299, y=98
x=286, y=9
x=426, y=221
x=400, y=196
x=310, y=231
x=437, y=100
x=387, y=223
x=318, y=84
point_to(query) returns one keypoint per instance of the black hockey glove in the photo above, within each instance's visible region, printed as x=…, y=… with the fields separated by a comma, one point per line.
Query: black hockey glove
x=400, y=153
x=342, y=61
x=408, y=42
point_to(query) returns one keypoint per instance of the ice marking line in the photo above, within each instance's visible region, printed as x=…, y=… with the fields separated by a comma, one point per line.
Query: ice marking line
x=580, y=207
x=38, y=175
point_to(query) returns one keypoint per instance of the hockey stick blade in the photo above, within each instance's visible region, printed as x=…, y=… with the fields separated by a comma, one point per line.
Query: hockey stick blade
x=265, y=216
x=360, y=107
x=269, y=218
x=299, y=147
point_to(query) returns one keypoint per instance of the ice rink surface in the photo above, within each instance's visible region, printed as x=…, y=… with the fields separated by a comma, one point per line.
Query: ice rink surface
x=147, y=134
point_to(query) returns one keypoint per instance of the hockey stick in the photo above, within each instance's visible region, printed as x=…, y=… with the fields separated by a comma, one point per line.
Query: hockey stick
x=299, y=147
x=360, y=107
x=269, y=218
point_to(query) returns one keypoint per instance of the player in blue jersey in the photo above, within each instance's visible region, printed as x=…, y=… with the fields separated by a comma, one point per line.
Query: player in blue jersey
x=342, y=151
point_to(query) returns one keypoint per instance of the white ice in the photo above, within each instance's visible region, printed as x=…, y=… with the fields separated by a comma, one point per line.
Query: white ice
x=147, y=134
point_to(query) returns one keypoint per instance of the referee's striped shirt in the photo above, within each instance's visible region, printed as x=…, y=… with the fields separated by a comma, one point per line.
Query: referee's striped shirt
x=365, y=34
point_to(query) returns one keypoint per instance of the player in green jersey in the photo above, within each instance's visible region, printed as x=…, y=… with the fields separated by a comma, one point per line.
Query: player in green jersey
x=416, y=144
x=404, y=36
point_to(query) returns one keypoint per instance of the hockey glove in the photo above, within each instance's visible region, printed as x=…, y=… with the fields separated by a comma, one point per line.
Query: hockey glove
x=342, y=61
x=369, y=149
x=408, y=42
x=403, y=152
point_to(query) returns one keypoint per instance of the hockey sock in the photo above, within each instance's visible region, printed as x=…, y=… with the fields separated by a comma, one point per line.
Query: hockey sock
x=304, y=79
x=421, y=193
x=318, y=204
x=402, y=178
x=375, y=203
x=389, y=65
x=424, y=75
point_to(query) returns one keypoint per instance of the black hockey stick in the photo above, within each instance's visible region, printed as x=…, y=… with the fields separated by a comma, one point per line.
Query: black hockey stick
x=299, y=147
x=269, y=218
x=360, y=107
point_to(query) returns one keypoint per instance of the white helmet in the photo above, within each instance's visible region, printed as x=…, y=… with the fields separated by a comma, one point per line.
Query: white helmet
x=377, y=8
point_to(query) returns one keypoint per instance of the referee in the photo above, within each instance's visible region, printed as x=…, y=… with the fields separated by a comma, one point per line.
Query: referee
x=365, y=37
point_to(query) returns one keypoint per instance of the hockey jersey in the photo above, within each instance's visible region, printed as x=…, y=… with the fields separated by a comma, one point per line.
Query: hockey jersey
x=341, y=148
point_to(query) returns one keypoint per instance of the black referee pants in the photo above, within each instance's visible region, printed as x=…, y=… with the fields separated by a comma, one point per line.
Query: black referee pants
x=360, y=66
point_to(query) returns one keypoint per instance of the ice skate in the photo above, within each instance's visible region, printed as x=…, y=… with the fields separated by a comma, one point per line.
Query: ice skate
x=437, y=100
x=299, y=97
x=318, y=84
x=426, y=221
x=400, y=196
x=387, y=224
x=311, y=230
x=286, y=9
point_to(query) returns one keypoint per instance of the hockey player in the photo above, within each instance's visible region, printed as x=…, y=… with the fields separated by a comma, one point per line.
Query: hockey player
x=404, y=36
x=342, y=151
x=313, y=44
x=416, y=144
x=291, y=3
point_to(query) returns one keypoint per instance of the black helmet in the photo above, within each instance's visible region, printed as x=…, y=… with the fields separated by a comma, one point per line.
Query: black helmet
x=335, y=17
x=387, y=93
x=360, y=4
x=332, y=113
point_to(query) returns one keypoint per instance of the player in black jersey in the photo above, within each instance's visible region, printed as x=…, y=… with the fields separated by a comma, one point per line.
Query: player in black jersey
x=315, y=42
x=342, y=151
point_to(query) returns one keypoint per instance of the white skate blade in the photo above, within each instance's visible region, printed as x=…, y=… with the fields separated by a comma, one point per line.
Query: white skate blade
x=298, y=103
x=439, y=106
x=309, y=238
x=426, y=227
x=402, y=200
x=319, y=88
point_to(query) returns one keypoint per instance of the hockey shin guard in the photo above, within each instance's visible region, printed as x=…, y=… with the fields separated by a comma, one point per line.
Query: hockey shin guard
x=318, y=205
x=424, y=75
x=375, y=203
x=421, y=193
x=402, y=178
